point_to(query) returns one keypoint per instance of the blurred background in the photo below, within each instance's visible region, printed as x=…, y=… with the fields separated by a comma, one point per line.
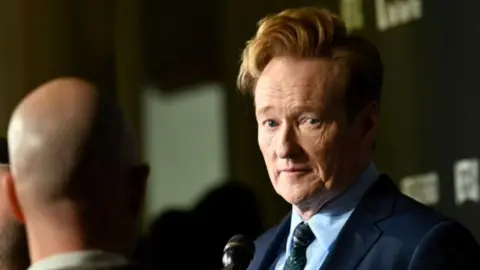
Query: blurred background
x=173, y=64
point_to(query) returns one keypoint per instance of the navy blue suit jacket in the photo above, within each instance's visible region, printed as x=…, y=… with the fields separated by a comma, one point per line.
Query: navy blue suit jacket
x=387, y=230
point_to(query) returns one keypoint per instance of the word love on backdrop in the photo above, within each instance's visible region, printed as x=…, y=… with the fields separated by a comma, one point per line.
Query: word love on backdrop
x=388, y=14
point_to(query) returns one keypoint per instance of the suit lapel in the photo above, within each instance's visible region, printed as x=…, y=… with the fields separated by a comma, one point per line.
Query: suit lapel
x=360, y=231
x=277, y=244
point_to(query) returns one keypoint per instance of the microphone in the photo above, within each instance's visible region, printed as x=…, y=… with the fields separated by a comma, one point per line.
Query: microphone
x=238, y=253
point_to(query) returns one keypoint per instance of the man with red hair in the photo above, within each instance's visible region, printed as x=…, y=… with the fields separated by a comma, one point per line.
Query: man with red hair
x=317, y=94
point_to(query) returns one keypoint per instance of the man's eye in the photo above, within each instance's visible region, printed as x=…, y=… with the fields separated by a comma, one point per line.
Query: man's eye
x=270, y=123
x=311, y=121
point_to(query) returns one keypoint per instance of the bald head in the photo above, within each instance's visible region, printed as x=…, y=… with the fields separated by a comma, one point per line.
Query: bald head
x=61, y=132
x=75, y=174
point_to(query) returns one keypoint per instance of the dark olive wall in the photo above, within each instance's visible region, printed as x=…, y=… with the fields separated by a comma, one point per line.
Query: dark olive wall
x=41, y=40
x=429, y=105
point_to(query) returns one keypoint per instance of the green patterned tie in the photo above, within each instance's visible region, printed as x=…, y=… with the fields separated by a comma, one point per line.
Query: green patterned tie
x=302, y=238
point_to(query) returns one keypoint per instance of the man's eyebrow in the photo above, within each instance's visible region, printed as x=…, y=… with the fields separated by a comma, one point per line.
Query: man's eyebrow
x=263, y=110
x=303, y=108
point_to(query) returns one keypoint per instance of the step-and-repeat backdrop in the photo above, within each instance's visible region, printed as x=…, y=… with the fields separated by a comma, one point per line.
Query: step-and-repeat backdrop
x=430, y=135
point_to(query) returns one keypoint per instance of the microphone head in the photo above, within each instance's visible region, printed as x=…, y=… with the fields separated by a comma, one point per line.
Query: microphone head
x=238, y=253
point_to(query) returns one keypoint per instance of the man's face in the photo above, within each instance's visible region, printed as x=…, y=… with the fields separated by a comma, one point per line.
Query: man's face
x=308, y=145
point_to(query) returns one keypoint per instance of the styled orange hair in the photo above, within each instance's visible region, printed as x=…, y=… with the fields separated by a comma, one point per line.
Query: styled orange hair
x=311, y=32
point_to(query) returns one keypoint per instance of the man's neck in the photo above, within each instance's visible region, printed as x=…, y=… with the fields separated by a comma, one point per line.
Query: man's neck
x=47, y=238
x=315, y=203
x=49, y=244
x=85, y=259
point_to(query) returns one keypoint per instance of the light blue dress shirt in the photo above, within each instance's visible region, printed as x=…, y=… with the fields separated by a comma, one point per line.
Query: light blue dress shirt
x=329, y=221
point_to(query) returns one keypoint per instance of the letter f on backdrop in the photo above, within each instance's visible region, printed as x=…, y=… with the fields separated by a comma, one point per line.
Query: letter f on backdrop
x=351, y=12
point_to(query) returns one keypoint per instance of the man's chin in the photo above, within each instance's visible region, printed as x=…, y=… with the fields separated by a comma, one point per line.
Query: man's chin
x=295, y=197
x=304, y=198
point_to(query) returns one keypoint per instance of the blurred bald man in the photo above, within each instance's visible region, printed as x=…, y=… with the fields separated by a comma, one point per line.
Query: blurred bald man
x=13, y=241
x=76, y=179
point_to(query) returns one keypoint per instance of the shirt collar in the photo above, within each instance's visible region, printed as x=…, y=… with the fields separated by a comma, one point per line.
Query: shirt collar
x=95, y=258
x=328, y=222
x=354, y=194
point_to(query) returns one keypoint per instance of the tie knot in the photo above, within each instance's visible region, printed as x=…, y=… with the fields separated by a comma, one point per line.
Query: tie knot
x=302, y=236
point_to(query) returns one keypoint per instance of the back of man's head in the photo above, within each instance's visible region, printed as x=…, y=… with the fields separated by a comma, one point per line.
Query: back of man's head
x=13, y=241
x=75, y=168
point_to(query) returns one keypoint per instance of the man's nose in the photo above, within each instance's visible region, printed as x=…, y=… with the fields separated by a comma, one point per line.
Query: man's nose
x=287, y=143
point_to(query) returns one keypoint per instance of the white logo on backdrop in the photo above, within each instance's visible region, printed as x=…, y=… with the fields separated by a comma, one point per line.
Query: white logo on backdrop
x=423, y=188
x=351, y=12
x=395, y=13
x=466, y=180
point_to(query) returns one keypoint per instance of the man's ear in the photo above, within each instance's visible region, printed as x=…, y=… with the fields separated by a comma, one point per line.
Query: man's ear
x=8, y=186
x=370, y=124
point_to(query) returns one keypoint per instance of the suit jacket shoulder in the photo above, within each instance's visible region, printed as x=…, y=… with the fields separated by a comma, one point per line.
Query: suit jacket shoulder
x=266, y=245
x=394, y=228
x=263, y=241
x=387, y=230
x=409, y=221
